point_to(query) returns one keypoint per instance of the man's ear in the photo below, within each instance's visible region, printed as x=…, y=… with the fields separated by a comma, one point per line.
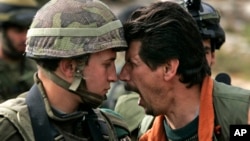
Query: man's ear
x=67, y=67
x=170, y=69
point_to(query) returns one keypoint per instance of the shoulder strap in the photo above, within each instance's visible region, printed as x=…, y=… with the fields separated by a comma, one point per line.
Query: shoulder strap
x=92, y=120
x=15, y=111
x=42, y=128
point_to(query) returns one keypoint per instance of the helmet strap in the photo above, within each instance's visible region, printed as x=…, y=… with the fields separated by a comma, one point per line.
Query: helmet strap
x=78, y=75
x=77, y=87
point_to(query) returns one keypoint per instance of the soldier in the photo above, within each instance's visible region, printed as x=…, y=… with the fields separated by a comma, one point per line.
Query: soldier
x=16, y=71
x=208, y=21
x=74, y=44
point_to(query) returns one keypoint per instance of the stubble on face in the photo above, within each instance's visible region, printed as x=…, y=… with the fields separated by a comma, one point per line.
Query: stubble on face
x=141, y=79
x=17, y=36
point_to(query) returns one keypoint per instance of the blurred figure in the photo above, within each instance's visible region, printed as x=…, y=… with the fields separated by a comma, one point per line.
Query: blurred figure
x=16, y=71
x=224, y=78
x=42, y=2
x=208, y=21
x=125, y=13
x=127, y=107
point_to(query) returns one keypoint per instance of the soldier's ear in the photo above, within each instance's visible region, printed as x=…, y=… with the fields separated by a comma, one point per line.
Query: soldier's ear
x=67, y=67
x=170, y=69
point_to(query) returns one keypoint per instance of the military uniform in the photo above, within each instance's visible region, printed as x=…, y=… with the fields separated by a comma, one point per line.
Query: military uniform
x=16, y=124
x=15, y=78
x=16, y=71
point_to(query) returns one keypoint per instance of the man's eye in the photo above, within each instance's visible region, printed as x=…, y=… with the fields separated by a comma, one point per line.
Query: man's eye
x=107, y=64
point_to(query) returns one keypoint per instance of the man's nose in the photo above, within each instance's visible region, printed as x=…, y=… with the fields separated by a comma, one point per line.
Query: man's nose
x=124, y=74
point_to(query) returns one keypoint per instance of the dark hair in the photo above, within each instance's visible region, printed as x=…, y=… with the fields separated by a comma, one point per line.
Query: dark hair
x=48, y=64
x=167, y=31
x=51, y=64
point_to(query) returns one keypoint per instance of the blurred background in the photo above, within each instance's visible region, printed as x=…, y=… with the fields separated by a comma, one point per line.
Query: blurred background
x=233, y=57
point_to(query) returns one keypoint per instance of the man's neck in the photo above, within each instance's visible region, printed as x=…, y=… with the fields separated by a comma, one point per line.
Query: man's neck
x=185, y=109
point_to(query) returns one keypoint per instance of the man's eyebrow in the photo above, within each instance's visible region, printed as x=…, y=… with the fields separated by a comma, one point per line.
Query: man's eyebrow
x=111, y=59
x=128, y=59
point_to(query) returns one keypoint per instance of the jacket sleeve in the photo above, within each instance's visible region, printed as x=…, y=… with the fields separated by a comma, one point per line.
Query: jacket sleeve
x=8, y=131
x=119, y=124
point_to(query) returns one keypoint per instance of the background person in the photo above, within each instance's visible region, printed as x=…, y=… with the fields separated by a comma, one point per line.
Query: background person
x=16, y=71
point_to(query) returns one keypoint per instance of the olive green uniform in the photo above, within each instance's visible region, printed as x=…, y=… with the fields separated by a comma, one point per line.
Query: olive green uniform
x=15, y=77
x=16, y=71
x=15, y=121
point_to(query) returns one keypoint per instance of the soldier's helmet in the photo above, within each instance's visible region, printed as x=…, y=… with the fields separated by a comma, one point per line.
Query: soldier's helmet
x=72, y=28
x=208, y=20
x=68, y=28
x=17, y=12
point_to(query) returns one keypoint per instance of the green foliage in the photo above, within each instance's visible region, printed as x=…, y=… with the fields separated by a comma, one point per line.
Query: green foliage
x=246, y=32
x=234, y=62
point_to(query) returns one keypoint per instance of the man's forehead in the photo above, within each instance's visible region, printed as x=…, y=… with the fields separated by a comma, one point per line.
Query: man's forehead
x=134, y=48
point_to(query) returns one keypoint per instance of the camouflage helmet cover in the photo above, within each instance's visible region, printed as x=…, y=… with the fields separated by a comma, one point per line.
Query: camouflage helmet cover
x=68, y=28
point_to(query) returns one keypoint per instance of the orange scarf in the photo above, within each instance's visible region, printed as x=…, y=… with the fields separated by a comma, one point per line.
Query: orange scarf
x=206, y=118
